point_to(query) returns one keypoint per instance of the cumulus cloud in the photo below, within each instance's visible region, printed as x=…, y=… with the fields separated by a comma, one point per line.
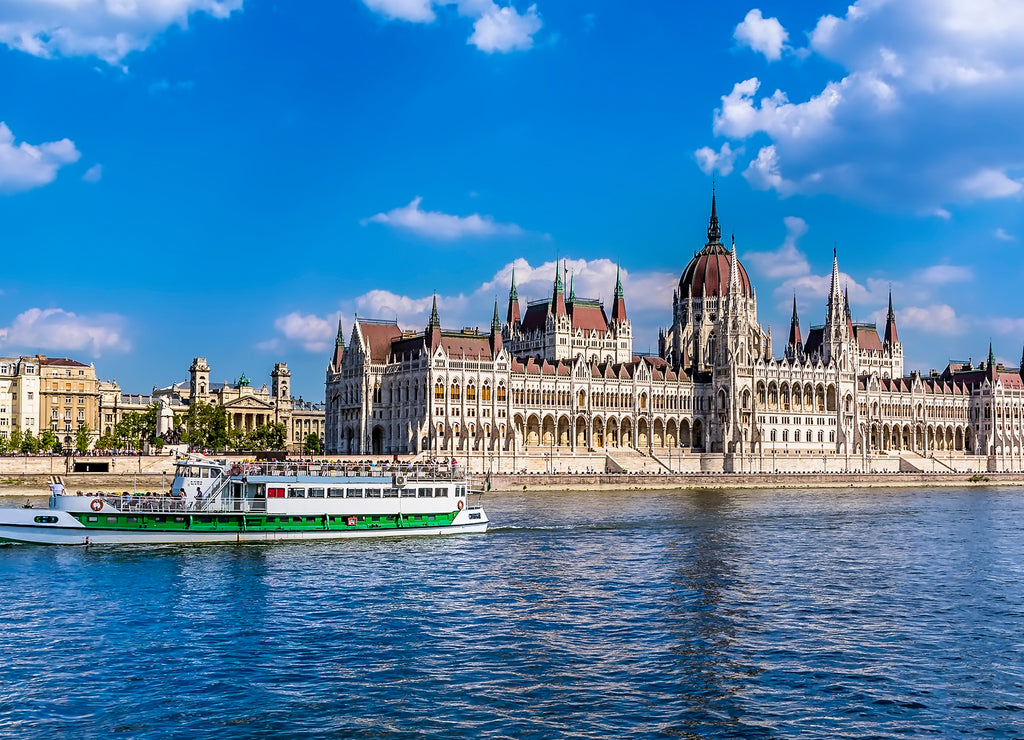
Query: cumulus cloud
x=56, y=329
x=786, y=261
x=309, y=331
x=496, y=28
x=26, y=166
x=442, y=226
x=100, y=28
x=1003, y=235
x=945, y=274
x=721, y=161
x=916, y=120
x=763, y=35
x=934, y=319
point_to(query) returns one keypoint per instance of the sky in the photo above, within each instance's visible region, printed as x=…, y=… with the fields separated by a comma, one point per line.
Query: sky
x=229, y=178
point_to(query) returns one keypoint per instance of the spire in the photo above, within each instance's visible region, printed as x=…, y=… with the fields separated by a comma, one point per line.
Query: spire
x=619, y=303
x=795, y=345
x=991, y=357
x=558, y=299
x=572, y=288
x=512, y=317
x=435, y=320
x=714, y=231
x=891, y=337
x=846, y=312
x=339, y=349
x=734, y=270
x=495, y=332
x=1022, y=365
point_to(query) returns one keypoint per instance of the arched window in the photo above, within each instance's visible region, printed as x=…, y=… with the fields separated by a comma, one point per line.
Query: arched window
x=501, y=394
x=485, y=393
x=471, y=392
x=439, y=391
x=456, y=392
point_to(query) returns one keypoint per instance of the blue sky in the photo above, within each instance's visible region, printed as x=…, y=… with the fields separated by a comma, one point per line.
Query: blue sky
x=227, y=178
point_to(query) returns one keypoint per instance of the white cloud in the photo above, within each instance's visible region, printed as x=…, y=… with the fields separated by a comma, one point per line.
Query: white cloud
x=443, y=226
x=55, y=329
x=504, y=30
x=107, y=29
x=495, y=28
x=93, y=174
x=721, y=161
x=308, y=330
x=764, y=35
x=414, y=11
x=1007, y=326
x=934, y=319
x=990, y=183
x=26, y=166
x=917, y=118
x=945, y=274
x=786, y=261
x=939, y=213
x=1003, y=235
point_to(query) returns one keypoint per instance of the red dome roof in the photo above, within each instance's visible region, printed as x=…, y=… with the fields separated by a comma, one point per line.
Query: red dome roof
x=708, y=274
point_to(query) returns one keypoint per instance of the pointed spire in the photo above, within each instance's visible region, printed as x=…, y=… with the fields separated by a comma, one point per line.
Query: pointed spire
x=795, y=345
x=572, y=288
x=512, y=316
x=991, y=356
x=619, y=303
x=846, y=312
x=339, y=349
x=734, y=270
x=340, y=340
x=891, y=337
x=495, y=322
x=435, y=320
x=558, y=299
x=495, y=340
x=714, y=231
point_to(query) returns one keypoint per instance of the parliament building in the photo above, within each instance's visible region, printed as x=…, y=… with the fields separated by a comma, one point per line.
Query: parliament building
x=560, y=381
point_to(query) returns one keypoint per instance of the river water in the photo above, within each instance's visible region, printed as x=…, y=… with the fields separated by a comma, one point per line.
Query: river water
x=694, y=614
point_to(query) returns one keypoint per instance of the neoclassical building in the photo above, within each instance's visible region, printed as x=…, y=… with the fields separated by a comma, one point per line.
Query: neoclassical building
x=562, y=379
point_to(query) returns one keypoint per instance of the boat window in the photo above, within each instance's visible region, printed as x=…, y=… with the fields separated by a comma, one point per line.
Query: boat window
x=316, y=493
x=296, y=493
x=93, y=519
x=335, y=492
x=46, y=520
x=390, y=493
x=408, y=493
x=297, y=519
x=179, y=519
x=158, y=519
x=205, y=519
x=425, y=493
x=372, y=493
x=275, y=493
x=440, y=492
x=133, y=520
x=111, y=520
x=356, y=493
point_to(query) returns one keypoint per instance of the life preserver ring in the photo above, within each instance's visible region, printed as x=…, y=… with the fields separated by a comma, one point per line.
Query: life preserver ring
x=236, y=470
x=96, y=504
x=461, y=504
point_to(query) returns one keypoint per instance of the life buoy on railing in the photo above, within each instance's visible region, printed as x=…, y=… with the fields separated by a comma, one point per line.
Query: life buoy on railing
x=236, y=470
x=461, y=504
x=96, y=504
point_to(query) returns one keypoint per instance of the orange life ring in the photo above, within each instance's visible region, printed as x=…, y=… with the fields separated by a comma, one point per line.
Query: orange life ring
x=461, y=504
x=236, y=470
x=96, y=504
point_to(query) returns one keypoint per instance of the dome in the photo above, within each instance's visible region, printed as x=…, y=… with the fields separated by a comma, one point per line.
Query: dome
x=708, y=274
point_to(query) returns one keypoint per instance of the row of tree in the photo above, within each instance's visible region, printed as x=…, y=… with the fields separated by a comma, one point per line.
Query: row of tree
x=205, y=427
x=25, y=442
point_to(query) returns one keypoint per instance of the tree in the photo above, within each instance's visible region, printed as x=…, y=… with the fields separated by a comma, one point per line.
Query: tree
x=48, y=442
x=82, y=438
x=106, y=441
x=16, y=437
x=136, y=430
x=206, y=426
x=29, y=443
x=313, y=445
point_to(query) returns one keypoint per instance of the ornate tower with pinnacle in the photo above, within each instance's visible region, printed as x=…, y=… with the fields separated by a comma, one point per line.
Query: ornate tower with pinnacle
x=795, y=345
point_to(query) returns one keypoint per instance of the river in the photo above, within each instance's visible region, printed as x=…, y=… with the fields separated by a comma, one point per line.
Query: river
x=691, y=613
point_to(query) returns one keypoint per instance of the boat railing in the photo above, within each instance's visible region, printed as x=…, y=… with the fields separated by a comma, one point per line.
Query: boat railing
x=415, y=472
x=144, y=502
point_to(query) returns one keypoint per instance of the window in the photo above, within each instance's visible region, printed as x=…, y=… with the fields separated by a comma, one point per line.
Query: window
x=275, y=493
x=316, y=493
x=296, y=493
x=30, y=395
x=353, y=493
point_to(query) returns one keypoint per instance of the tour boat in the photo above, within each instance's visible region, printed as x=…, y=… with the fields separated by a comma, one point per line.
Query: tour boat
x=214, y=501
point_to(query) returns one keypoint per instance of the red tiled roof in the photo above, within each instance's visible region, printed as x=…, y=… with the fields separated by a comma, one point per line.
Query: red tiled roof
x=457, y=345
x=378, y=337
x=61, y=361
x=867, y=338
x=708, y=274
x=536, y=317
x=588, y=317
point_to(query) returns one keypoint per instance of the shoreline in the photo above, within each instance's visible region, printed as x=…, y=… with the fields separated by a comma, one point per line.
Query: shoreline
x=16, y=484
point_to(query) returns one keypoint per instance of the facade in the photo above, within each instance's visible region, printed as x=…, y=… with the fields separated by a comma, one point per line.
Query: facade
x=69, y=398
x=562, y=379
x=19, y=394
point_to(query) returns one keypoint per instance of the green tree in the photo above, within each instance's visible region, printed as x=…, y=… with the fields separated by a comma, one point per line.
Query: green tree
x=16, y=437
x=29, y=443
x=5, y=444
x=136, y=430
x=313, y=445
x=206, y=427
x=48, y=442
x=82, y=438
x=273, y=436
x=106, y=441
